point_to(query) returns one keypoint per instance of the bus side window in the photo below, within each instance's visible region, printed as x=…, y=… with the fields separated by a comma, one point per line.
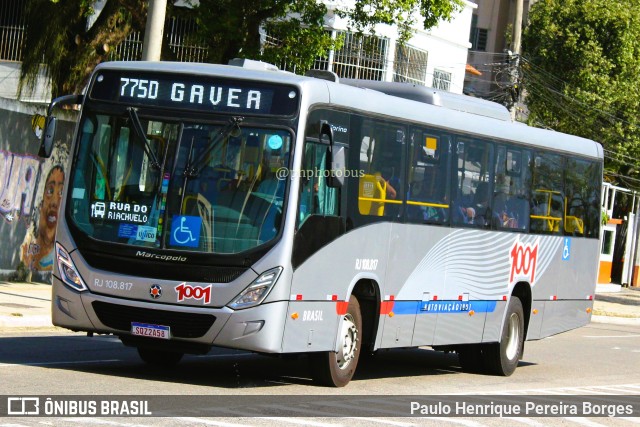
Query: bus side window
x=381, y=184
x=547, y=197
x=428, y=178
x=316, y=197
x=582, y=206
x=510, y=200
x=471, y=205
x=99, y=156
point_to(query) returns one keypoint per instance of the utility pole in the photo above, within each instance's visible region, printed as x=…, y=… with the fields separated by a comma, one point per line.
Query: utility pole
x=515, y=56
x=517, y=27
x=152, y=46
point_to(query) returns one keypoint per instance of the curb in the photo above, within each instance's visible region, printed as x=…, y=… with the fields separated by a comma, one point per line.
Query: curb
x=42, y=321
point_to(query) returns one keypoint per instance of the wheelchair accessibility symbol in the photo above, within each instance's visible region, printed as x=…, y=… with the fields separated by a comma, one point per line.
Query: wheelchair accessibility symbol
x=566, y=249
x=185, y=231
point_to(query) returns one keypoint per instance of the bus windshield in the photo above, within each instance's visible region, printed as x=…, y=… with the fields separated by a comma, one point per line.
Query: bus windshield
x=199, y=187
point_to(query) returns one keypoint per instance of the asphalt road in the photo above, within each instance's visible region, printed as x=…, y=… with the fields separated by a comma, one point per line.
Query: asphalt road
x=598, y=360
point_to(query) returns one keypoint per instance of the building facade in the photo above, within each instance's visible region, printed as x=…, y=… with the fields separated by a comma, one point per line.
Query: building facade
x=433, y=58
x=491, y=52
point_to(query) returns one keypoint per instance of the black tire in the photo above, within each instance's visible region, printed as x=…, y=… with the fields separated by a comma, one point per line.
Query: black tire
x=471, y=358
x=336, y=369
x=159, y=357
x=502, y=358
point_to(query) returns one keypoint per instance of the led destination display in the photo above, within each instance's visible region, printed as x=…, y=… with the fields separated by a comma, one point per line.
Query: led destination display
x=188, y=92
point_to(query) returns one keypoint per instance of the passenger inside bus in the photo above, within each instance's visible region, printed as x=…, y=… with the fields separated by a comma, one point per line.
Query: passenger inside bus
x=387, y=175
x=462, y=212
x=503, y=217
x=421, y=191
x=481, y=204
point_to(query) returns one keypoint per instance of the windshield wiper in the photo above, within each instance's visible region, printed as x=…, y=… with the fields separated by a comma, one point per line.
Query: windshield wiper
x=232, y=128
x=140, y=133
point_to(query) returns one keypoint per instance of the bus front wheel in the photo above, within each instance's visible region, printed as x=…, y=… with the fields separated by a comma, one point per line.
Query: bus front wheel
x=502, y=358
x=336, y=369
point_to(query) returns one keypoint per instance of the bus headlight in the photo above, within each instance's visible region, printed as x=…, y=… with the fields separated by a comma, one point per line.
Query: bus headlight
x=68, y=272
x=257, y=291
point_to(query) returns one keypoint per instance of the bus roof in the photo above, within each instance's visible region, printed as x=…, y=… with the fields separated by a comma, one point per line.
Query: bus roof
x=441, y=98
x=454, y=112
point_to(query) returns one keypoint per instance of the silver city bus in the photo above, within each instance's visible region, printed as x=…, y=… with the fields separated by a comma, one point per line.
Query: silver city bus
x=253, y=209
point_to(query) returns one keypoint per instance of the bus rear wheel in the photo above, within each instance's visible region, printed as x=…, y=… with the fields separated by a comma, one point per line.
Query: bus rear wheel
x=336, y=369
x=159, y=357
x=502, y=358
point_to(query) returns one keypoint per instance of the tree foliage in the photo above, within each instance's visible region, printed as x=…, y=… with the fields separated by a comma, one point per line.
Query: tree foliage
x=581, y=73
x=404, y=13
x=57, y=37
x=229, y=28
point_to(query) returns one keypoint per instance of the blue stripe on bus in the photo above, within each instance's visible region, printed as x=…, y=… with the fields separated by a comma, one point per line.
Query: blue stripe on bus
x=430, y=307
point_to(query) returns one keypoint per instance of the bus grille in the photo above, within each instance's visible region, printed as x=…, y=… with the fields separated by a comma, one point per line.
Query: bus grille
x=183, y=325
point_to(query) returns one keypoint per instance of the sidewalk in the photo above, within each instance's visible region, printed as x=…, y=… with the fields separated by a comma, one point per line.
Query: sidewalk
x=617, y=305
x=28, y=305
x=25, y=305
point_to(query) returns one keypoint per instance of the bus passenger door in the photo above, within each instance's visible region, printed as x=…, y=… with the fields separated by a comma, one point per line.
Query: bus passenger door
x=389, y=161
x=312, y=321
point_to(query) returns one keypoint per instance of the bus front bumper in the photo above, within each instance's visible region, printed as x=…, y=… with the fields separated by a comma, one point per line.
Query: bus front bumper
x=255, y=329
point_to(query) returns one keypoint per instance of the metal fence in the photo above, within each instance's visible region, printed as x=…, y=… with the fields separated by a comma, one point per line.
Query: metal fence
x=410, y=65
x=361, y=57
x=180, y=37
x=183, y=42
x=179, y=33
x=12, y=29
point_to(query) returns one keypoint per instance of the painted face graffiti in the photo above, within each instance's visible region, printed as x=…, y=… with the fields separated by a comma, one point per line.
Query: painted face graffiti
x=51, y=203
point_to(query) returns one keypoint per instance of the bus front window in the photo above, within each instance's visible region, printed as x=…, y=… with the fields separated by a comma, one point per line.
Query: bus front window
x=192, y=187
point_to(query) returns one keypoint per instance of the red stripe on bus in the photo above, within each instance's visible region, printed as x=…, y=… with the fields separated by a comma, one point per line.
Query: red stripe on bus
x=386, y=307
x=341, y=307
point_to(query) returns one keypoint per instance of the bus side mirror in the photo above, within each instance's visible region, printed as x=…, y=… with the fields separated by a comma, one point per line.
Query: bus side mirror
x=48, y=136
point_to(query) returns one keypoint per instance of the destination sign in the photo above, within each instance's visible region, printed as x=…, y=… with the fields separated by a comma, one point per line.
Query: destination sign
x=199, y=93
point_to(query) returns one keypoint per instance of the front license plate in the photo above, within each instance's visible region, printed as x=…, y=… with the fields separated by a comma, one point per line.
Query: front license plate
x=151, y=331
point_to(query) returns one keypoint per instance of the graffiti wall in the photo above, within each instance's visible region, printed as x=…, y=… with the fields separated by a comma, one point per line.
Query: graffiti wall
x=30, y=191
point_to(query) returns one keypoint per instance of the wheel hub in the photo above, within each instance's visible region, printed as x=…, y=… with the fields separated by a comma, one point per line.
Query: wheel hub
x=349, y=342
x=513, y=336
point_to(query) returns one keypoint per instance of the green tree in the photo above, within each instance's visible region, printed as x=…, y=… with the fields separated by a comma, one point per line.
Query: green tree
x=580, y=70
x=57, y=33
x=58, y=39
